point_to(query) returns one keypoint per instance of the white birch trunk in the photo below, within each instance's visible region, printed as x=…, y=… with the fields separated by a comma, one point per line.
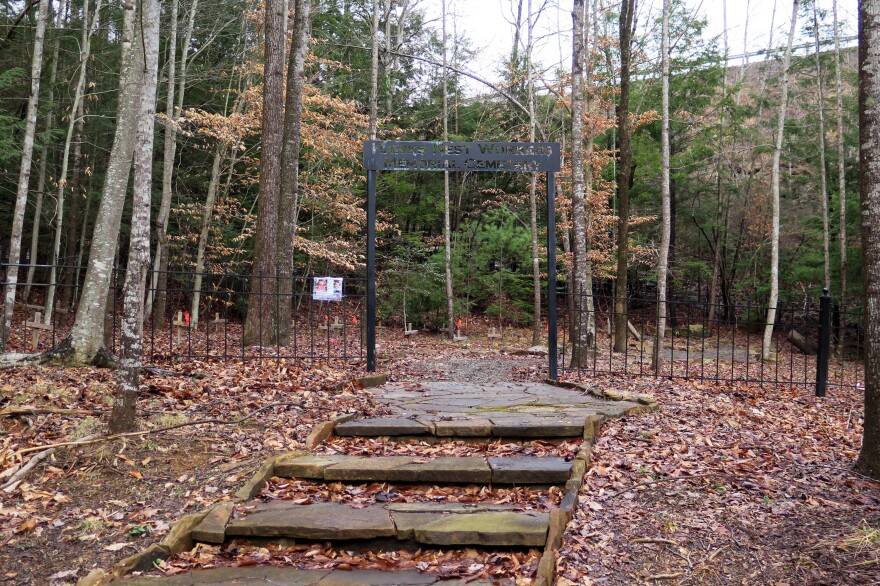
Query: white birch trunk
x=841, y=159
x=823, y=177
x=719, y=234
x=389, y=8
x=27, y=155
x=777, y=155
x=447, y=229
x=122, y=418
x=168, y=152
x=374, y=74
x=207, y=214
x=583, y=340
x=85, y=51
x=81, y=248
x=533, y=183
x=41, y=175
x=208, y=211
x=87, y=335
x=666, y=208
x=161, y=256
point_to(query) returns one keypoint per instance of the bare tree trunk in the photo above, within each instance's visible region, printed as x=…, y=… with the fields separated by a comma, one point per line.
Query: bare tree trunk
x=82, y=243
x=41, y=176
x=220, y=152
x=389, y=7
x=207, y=213
x=663, y=262
x=122, y=418
x=720, y=233
x=288, y=208
x=87, y=336
x=841, y=159
x=777, y=155
x=582, y=341
x=393, y=59
x=74, y=219
x=624, y=170
x=823, y=177
x=374, y=73
x=533, y=184
x=173, y=108
x=27, y=154
x=259, y=326
x=589, y=171
x=869, y=166
x=85, y=51
x=447, y=229
x=168, y=151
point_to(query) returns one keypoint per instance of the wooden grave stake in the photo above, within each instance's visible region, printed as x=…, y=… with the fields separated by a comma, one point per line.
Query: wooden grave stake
x=179, y=323
x=36, y=325
x=493, y=334
x=336, y=325
x=217, y=321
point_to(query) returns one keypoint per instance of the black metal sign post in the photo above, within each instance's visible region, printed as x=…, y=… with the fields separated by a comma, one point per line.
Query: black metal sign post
x=491, y=157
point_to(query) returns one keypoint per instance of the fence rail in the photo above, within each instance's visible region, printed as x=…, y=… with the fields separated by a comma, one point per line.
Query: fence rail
x=208, y=322
x=727, y=348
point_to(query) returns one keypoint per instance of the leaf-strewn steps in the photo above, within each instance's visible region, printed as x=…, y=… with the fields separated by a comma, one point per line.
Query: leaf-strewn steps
x=473, y=469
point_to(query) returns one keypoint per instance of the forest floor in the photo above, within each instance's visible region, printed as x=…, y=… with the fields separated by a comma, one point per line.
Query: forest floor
x=726, y=484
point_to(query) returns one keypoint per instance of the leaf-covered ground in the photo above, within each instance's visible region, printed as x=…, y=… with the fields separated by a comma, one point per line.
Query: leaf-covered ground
x=726, y=484
x=90, y=506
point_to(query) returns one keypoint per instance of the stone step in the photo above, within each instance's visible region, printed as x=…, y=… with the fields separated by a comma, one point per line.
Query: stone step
x=427, y=523
x=469, y=469
x=262, y=575
x=491, y=424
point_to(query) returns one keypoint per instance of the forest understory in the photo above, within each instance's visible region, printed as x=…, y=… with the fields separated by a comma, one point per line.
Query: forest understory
x=726, y=484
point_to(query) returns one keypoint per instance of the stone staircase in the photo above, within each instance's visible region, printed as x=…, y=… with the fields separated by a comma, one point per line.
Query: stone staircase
x=263, y=575
x=464, y=469
x=428, y=524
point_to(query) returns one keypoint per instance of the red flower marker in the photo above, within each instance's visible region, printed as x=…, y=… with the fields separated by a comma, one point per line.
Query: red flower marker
x=186, y=317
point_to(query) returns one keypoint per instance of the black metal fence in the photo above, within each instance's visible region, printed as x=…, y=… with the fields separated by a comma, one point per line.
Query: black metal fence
x=725, y=345
x=205, y=318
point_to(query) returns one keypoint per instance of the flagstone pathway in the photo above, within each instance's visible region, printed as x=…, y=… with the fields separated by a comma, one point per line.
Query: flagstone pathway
x=444, y=411
x=461, y=409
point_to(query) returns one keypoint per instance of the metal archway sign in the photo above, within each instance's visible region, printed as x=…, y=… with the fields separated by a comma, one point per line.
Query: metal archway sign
x=489, y=157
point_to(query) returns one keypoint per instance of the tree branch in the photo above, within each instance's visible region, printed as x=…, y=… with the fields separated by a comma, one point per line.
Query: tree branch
x=475, y=77
x=116, y=436
x=13, y=28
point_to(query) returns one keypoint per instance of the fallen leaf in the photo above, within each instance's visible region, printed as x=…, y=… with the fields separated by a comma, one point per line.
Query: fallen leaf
x=28, y=525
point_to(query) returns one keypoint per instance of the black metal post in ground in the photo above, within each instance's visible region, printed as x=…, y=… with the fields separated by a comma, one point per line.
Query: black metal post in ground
x=824, y=343
x=371, y=271
x=552, y=339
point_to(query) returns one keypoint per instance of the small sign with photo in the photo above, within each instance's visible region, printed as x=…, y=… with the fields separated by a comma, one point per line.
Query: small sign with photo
x=327, y=289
